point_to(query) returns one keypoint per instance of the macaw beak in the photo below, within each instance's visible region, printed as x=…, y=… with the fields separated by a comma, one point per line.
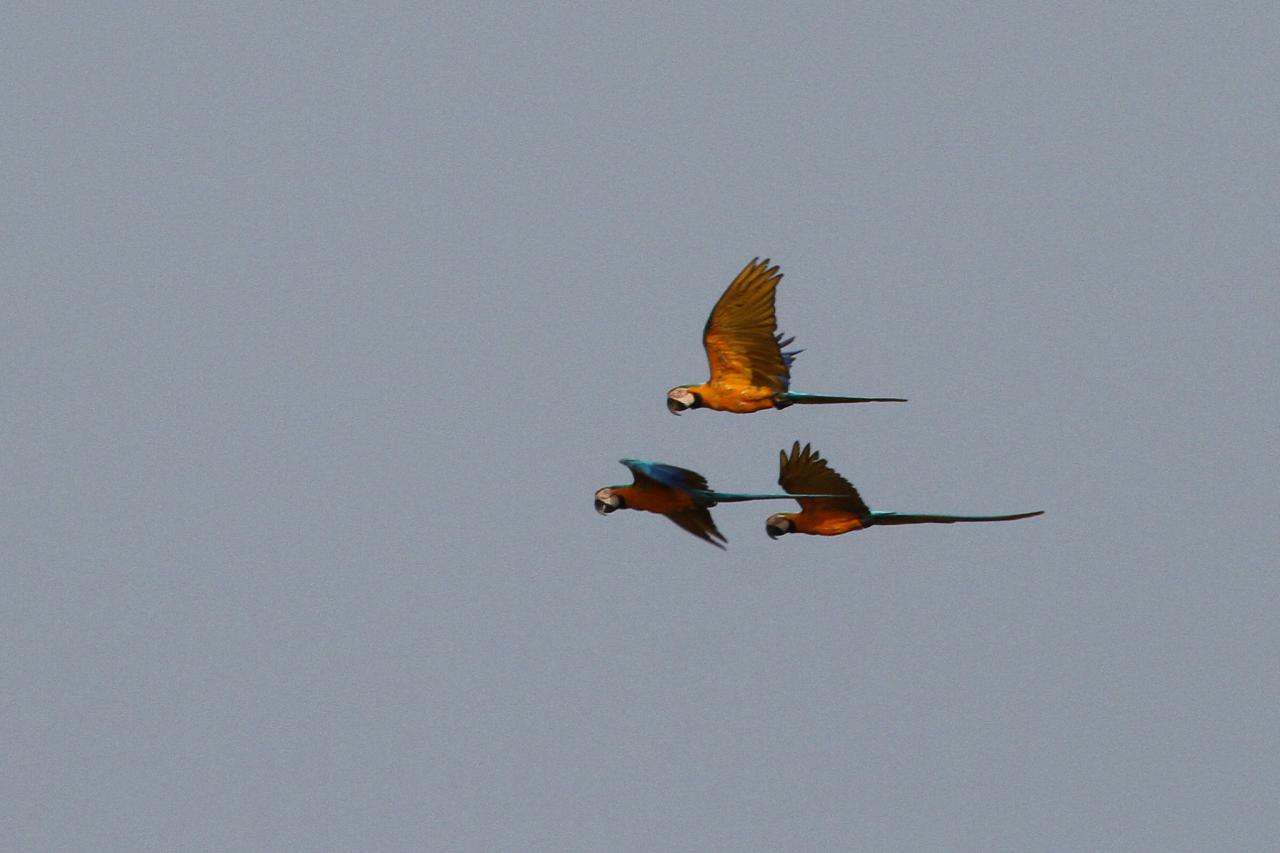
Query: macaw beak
x=674, y=407
x=774, y=531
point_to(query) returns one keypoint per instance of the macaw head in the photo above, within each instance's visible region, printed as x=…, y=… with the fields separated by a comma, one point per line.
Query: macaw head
x=607, y=500
x=778, y=524
x=681, y=398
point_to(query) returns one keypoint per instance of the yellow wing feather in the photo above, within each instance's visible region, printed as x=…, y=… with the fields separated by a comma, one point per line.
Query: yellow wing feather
x=739, y=337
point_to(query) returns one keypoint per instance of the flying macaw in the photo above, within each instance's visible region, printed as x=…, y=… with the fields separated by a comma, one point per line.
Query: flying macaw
x=678, y=493
x=749, y=369
x=806, y=471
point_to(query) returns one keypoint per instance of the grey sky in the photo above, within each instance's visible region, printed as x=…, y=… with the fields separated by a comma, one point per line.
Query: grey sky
x=323, y=325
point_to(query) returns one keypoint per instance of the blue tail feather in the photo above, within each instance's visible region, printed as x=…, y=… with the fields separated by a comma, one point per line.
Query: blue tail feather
x=731, y=497
x=787, y=398
x=922, y=518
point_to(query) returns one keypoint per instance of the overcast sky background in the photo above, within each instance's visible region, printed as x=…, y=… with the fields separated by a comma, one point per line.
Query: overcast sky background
x=322, y=325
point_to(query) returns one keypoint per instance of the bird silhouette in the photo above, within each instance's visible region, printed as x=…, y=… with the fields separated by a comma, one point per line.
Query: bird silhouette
x=805, y=471
x=750, y=369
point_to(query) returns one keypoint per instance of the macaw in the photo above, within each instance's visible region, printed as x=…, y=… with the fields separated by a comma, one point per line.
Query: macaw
x=678, y=493
x=806, y=471
x=750, y=371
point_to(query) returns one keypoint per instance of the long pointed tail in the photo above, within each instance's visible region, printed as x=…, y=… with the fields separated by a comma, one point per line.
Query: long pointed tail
x=909, y=518
x=788, y=398
x=729, y=497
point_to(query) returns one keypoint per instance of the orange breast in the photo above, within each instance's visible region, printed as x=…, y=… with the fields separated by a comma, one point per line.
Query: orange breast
x=826, y=522
x=658, y=499
x=740, y=399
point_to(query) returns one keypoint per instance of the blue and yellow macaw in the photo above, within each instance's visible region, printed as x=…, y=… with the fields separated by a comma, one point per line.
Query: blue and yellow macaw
x=750, y=371
x=806, y=471
x=678, y=493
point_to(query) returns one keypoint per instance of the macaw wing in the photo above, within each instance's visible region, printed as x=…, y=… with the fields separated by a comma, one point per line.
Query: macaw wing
x=741, y=338
x=700, y=524
x=666, y=475
x=806, y=472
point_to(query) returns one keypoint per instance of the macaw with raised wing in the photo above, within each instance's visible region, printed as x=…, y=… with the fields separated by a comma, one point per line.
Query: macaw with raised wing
x=750, y=370
x=678, y=493
x=806, y=471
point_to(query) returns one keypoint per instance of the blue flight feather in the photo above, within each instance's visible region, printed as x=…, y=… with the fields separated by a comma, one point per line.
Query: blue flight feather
x=668, y=475
x=788, y=357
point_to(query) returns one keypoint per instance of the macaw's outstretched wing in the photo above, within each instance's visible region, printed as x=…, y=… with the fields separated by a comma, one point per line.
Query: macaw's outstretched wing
x=741, y=339
x=806, y=472
x=699, y=523
x=666, y=475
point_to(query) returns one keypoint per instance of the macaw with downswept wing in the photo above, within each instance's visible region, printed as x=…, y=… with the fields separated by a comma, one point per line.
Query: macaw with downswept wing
x=750, y=371
x=806, y=471
x=678, y=493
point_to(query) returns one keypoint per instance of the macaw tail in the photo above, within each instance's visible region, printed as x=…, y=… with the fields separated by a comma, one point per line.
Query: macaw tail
x=908, y=518
x=787, y=398
x=729, y=497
